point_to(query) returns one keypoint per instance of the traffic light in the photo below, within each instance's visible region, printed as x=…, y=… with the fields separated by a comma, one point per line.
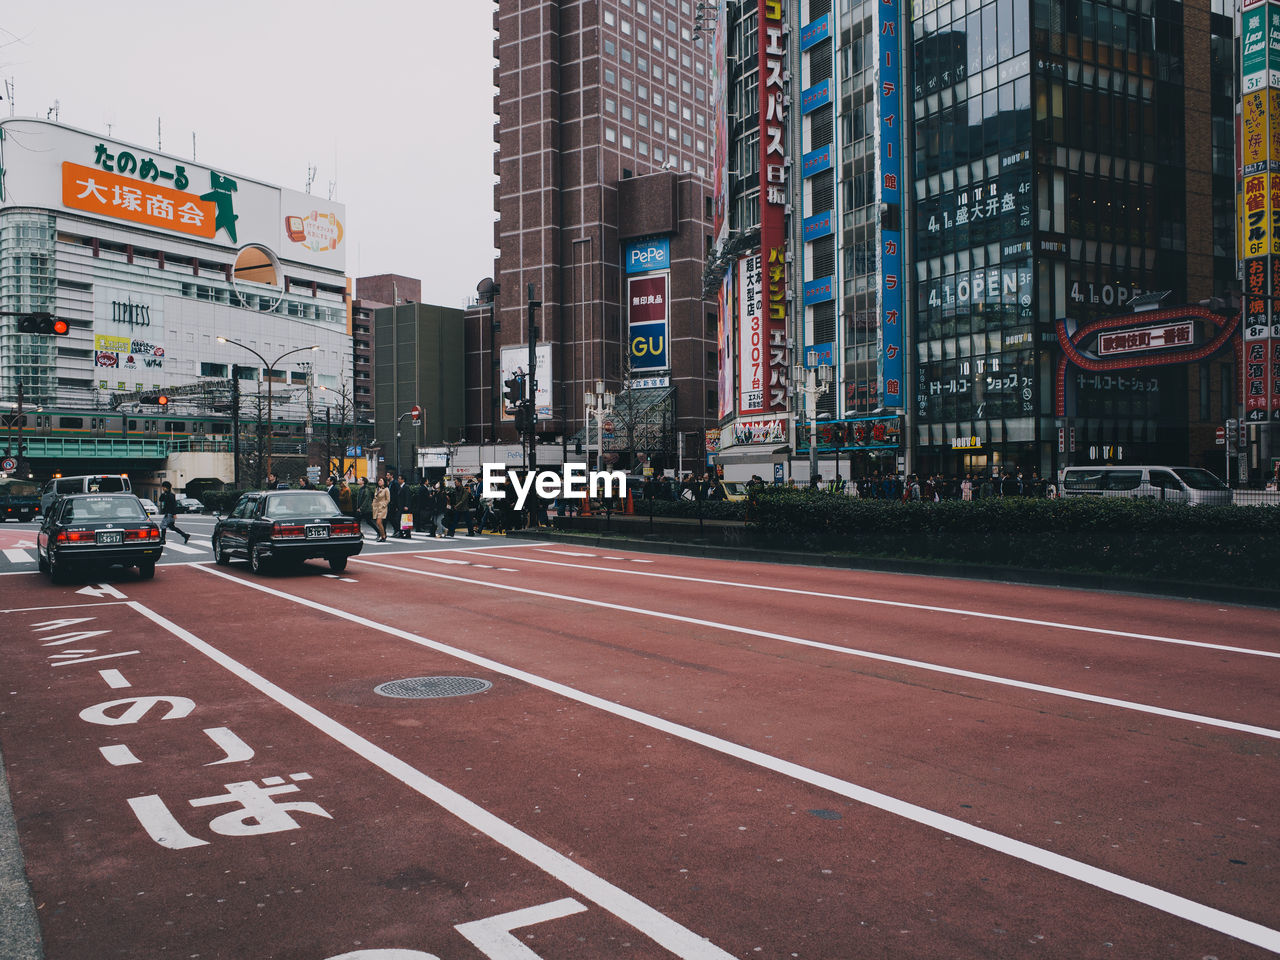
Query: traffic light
x=43, y=323
x=513, y=390
x=159, y=399
x=524, y=419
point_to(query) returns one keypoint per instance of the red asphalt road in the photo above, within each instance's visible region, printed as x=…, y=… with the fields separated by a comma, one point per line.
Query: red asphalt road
x=672, y=761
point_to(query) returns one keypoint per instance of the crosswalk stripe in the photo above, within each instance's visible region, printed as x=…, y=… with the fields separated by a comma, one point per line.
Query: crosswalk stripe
x=18, y=556
x=182, y=548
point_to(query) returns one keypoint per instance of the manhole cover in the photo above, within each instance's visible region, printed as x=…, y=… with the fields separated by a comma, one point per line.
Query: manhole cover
x=428, y=688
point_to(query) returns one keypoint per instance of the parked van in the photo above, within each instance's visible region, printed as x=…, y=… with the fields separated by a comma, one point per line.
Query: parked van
x=1191, y=485
x=94, y=483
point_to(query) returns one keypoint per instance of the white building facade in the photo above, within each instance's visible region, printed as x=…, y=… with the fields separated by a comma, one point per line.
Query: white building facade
x=151, y=259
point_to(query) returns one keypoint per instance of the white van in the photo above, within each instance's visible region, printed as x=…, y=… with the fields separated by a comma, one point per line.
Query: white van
x=1190, y=485
x=93, y=483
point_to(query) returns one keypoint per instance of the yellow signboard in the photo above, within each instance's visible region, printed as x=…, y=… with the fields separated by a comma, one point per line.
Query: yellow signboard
x=1254, y=134
x=1257, y=218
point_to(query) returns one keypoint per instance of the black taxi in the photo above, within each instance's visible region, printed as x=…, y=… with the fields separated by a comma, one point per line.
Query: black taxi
x=97, y=529
x=274, y=528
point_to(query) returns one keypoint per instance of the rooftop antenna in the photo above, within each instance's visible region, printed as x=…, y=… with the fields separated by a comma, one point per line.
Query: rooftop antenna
x=8, y=92
x=311, y=177
x=193, y=146
x=53, y=111
x=158, y=147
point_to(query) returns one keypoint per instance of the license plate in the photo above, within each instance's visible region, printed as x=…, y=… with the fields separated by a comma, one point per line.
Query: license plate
x=318, y=531
x=110, y=536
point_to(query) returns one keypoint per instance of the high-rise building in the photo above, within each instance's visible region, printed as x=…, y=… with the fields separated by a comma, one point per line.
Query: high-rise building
x=603, y=153
x=1001, y=219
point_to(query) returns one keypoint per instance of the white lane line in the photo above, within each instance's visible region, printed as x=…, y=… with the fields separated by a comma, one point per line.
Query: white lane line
x=866, y=654
x=66, y=606
x=629, y=909
x=18, y=556
x=1162, y=900
x=852, y=598
x=183, y=548
x=114, y=679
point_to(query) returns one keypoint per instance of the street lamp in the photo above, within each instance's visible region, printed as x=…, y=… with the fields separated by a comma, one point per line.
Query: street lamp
x=270, y=367
x=597, y=405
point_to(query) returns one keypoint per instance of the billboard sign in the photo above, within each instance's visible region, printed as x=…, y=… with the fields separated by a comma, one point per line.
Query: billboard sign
x=773, y=355
x=645, y=256
x=752, y=376
x=889, y=164
x=647, y=302
x=515, y=362
x=58, y=167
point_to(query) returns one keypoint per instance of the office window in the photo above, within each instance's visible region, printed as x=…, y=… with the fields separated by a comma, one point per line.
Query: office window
x=610, y=135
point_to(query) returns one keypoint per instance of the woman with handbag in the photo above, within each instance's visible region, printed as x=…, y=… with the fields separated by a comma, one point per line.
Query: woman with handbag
x=381, y=501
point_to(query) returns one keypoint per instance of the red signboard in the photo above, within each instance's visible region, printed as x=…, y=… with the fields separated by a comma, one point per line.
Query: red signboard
x=1146, y=338
x=773, y=200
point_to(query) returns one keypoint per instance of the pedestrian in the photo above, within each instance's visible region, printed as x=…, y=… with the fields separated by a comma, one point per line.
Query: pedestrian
x=381, y=501
x=346, y=503
x=404, y=506
x=966, y=487
x=364, y=503
x=462, y=512
x=169, y=509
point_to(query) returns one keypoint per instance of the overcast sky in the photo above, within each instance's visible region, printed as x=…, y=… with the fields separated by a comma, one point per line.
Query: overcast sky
x=390, y=100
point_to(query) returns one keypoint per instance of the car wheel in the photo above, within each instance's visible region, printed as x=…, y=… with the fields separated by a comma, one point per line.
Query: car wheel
x=337, y=564
x=147, y=570
x=57, y=571
x=220, y=556
x=257, y=562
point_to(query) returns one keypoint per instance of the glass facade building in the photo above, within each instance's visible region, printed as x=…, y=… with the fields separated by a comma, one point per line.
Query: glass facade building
x=1053, y=178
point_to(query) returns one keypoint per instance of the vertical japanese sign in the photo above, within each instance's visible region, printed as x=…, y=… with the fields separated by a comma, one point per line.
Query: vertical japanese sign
x=751, y=337
x=720, y=97
x=889, y=158
x=773, y=203
x=1259, y=187
x=724, y=345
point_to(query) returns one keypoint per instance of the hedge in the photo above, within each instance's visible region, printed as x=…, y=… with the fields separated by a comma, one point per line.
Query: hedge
x=1136, y=538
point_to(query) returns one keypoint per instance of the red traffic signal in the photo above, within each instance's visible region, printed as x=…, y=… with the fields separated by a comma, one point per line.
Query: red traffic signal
x=43, y=323
x=159, y=399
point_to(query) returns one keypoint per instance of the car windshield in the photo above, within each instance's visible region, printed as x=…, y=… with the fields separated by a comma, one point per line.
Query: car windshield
x=82, y=511
x=295, y=505
x=106, y=485
x=1198, y=479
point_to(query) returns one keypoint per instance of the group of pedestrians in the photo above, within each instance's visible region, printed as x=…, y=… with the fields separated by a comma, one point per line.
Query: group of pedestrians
x=936, y=487
x=394, y=508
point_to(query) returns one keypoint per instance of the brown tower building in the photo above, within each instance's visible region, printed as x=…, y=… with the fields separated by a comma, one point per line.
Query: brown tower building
x=604, y=138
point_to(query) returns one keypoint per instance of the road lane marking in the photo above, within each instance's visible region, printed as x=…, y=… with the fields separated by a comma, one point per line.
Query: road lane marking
x=1082, y=628
x=629, y=909
x=17, y=556
x=866, y=654
x=183, y=548
x=1161, y=900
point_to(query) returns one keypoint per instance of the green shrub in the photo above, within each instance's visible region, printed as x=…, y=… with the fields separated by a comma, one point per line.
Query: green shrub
x=1136, y=538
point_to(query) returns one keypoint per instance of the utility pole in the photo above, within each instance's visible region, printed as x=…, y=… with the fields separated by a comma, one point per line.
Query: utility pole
x=532, y=420
x=235, y=425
